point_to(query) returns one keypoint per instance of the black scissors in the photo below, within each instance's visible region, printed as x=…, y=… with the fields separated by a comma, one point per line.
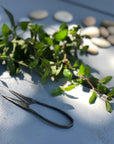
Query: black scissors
x=25, y=102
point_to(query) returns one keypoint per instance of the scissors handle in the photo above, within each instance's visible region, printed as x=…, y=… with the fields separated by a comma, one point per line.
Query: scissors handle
x=71, y=121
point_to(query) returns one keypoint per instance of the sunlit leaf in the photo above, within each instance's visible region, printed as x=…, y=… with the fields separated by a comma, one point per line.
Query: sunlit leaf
x=59, y=36
x=82, y=70
x=70, y=87
x=93, y=97
x=106, y=79
x=56, y=49
x=57, y=91
x=59, y=69
x=48, y=41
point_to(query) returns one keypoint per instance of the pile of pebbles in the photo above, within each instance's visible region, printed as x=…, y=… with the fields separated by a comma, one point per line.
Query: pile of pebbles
x=102, y=37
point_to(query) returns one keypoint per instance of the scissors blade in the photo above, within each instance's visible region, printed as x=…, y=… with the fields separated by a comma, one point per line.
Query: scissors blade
x=22, y=97
x=17, y=102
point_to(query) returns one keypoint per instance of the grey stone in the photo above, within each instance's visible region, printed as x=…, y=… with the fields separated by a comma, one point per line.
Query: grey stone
x=39, y=14
x=89, y=21
x=104, y=32
x=63, y=16
x=111, y=39
x=111, y=30
x=107, y=23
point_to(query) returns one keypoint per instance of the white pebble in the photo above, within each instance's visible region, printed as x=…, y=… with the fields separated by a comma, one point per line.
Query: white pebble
x=63, y=16
x=100, y=42
x=93, y=49
x=91, y=31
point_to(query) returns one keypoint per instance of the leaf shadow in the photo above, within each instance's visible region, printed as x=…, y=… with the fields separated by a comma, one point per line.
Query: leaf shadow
x=112, y=104
x=70, y=96
x=4, y=83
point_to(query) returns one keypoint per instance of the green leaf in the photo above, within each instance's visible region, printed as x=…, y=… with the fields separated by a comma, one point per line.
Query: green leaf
x=48, y=41
x=106, y=80
x=10, y=16
x=102, y=89
x=57, y=91
x=59, y=69
x=40, y=48
x=11, y=66
x=67, y=74
x=63, y=26
x=83, y=50
x=77, y=63
x=34, y=63
x=109, y=98
x=6, y=30
x=70, y=87
x=111, y=93
x=82, y=70
x=24, y=25
x=56, y=49
x=108, y=106
x=61, y=35
x=93, y=97
x=45, y=75
x=56, y=70
x=87, y=71
x=94, y=81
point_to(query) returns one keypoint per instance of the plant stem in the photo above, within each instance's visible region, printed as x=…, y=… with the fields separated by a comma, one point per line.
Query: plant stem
x=101, y=95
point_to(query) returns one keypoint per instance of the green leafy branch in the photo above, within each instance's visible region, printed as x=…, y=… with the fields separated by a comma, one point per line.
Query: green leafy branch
x=82, y=75
x=52, y=56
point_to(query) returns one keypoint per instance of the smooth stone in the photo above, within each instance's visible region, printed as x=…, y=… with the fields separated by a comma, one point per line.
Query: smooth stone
x=63, y=16
x=111, y=30
x=39, y=14
x=91, y=31
x=89, y=21
x=100, y=42
x=107, y=23
x=104, y=32
x=92, y=49
x=111, y=39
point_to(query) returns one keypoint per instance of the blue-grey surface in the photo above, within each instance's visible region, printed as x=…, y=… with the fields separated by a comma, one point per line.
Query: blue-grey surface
x=92, y=124
x=102, y=5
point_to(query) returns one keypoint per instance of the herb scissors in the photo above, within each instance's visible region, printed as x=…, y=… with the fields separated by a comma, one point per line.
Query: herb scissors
x=25, y=102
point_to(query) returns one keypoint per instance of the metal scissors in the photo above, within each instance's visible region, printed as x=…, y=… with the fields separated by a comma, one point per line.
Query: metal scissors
x=25, y=103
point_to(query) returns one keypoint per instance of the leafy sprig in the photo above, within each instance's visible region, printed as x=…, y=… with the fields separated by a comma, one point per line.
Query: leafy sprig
x=52, y=56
